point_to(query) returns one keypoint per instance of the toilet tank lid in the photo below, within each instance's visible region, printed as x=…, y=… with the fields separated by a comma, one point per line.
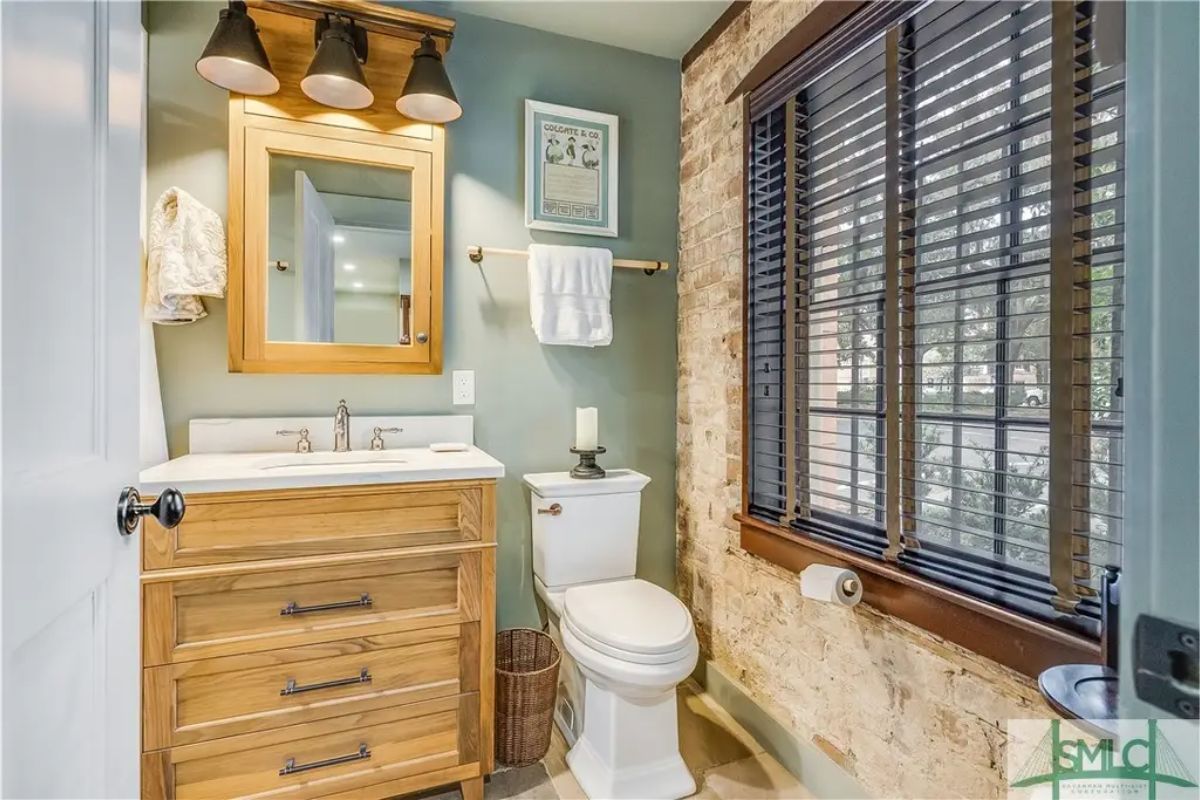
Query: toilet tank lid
x=561, y=484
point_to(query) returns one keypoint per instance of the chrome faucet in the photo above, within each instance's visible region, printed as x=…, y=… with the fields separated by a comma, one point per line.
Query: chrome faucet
x=341, y=428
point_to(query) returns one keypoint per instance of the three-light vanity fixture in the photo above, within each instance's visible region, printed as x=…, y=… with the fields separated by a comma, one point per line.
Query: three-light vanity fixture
x=236, y=60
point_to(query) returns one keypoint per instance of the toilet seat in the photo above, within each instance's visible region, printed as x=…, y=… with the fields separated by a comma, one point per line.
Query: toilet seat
x=630, y=620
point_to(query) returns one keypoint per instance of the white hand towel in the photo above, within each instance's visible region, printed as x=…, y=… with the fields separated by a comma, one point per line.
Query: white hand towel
x=569, y=295
x=186, y=259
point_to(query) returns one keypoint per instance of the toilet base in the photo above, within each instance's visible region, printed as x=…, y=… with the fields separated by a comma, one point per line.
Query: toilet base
x=629, y=749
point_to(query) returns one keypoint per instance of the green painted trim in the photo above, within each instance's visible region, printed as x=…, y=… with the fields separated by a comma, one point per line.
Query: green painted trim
x=820, y=774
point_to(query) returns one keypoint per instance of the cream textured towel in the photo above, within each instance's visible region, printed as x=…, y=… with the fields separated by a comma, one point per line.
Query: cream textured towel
x=186, y=259
x=569, y=295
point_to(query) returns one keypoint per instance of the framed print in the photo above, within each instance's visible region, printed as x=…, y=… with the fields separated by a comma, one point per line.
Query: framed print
x=570, y=169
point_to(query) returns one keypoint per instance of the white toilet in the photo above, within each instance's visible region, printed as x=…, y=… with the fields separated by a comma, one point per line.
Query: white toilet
x=627, y=643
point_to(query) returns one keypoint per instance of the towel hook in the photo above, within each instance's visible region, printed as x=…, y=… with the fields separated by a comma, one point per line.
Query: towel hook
x=652, y=271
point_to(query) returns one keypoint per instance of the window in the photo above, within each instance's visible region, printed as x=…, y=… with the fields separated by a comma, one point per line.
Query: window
x=934, y=298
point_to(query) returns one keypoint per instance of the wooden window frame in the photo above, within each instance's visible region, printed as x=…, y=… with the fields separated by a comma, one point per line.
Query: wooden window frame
x=1019, y=642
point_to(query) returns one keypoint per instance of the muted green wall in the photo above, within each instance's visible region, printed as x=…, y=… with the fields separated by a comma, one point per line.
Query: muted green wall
x=526, y=394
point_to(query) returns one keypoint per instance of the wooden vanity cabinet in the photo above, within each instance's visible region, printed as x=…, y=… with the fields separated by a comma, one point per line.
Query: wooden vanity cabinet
x=328, y=642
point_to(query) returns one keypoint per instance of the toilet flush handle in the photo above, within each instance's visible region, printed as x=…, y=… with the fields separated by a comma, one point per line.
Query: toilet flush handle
x=554, y=510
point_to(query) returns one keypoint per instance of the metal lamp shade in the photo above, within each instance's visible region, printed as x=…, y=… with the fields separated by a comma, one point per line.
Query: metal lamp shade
x=428, y=95
x=234, y=58
x=335, y=77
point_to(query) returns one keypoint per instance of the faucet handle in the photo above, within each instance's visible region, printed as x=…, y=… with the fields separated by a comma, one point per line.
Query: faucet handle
x=303, y=445
x=377, y=441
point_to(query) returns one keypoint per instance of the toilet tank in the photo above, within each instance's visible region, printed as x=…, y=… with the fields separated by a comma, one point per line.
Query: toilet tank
x=594, y=534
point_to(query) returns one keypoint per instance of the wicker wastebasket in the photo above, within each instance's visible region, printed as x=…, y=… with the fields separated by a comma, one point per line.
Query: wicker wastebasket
x=526, y=681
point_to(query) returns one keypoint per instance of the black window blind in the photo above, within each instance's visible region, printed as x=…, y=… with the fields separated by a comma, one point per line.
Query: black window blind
x=934, y=298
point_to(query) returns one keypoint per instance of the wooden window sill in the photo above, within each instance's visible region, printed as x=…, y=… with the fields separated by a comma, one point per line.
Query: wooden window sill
x=1022, y=644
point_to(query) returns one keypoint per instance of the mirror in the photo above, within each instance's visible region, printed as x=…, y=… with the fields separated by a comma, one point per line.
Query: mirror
x=339, y=267
x=339, y=252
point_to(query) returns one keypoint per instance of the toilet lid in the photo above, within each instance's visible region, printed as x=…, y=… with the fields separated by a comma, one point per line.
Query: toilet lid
x=630, y=618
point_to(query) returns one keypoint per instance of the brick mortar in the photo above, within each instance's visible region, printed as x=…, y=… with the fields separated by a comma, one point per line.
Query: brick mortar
x=906, y=713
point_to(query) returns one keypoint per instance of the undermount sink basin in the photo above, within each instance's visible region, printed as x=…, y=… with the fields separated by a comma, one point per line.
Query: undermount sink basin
x=325, y=461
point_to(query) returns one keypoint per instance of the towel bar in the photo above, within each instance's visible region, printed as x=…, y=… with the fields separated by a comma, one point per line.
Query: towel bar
x=475, y=253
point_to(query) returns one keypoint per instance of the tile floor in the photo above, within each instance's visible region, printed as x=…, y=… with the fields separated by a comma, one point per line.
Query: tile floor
x=726, y=761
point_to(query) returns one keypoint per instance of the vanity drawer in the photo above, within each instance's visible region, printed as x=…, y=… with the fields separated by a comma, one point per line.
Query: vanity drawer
x=336, y=755
x=251, y=526
x=196, y=701
x=186, y=619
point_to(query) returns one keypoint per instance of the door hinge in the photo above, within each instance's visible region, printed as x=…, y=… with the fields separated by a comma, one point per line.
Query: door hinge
x=1166, y=665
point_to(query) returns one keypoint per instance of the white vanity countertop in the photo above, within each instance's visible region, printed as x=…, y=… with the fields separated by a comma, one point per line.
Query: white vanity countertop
x=237, y=472
x=254, y=458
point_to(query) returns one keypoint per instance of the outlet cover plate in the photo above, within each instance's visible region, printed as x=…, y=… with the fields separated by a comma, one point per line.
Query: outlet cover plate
x=463, y=381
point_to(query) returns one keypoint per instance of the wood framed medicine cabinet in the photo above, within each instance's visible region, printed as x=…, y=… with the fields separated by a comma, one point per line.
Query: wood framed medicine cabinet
x=335, y=217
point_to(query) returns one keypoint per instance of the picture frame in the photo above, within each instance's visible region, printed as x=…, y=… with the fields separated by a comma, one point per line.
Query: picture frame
x=571, y=169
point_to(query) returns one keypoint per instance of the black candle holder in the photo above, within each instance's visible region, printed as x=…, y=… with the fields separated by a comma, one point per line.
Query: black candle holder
x=587, y=468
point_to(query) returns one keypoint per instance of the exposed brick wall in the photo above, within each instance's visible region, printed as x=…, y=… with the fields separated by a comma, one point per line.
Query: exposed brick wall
x=908, y=714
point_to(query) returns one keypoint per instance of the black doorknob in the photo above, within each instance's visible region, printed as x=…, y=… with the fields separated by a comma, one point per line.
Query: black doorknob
x=168, y=509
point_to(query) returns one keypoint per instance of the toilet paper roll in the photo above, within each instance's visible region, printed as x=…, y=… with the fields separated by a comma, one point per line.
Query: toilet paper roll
x=831, y=585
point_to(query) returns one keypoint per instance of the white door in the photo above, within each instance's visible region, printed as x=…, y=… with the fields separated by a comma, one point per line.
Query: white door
x=1160, y=598
x=70, y=118
x=314, y=237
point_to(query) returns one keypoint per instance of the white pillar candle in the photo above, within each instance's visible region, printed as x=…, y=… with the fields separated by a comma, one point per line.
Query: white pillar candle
x=587, y=428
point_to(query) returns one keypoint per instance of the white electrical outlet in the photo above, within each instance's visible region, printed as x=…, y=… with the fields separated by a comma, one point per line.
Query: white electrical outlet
x=464, y=387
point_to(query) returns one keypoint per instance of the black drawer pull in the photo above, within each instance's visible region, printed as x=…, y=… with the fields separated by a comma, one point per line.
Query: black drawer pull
x=296, y=688
x=290, y=767
x=291, y=609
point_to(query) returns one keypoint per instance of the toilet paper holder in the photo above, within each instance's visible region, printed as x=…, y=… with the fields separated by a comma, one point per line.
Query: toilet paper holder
x=831, y=584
